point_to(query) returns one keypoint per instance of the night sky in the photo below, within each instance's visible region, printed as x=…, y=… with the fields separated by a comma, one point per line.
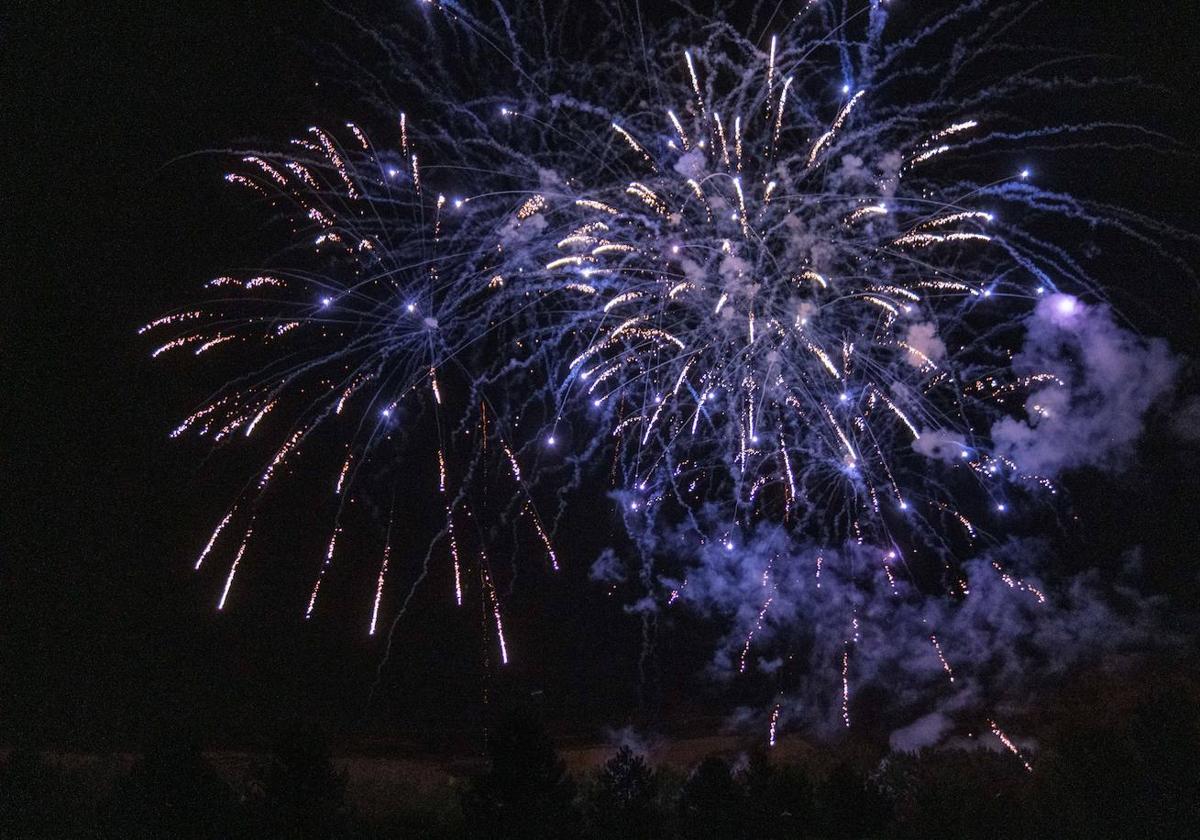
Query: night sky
x=116, y=217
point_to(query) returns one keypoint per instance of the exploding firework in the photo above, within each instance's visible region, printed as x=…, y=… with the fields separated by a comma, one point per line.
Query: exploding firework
x=348, y=342
x=786, y=295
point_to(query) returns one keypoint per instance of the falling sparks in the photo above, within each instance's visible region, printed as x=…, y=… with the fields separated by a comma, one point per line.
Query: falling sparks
x=262, y=412
x=941, y=657
x=827, y=138
x=341, y=480
x=1009, y=745
x=450, y=535
x=494, y=602
x=383, y=566
x=328, y=561
x=531, y=207
x=213, y=342
x=173, y=343
x=633, y=144
x=846, y=686
x=285, y=450
x=237, y=559
x=212, y=540
x=762, y=614
x=166, y=320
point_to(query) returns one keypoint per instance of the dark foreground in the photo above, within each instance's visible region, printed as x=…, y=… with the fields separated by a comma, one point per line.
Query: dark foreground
x=1138, y=776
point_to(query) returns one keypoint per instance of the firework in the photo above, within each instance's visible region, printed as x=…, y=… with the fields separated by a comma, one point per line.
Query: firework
x=784, y=297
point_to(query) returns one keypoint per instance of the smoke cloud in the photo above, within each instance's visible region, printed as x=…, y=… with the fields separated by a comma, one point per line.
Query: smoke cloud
x=941, y=661
x=1109, y=379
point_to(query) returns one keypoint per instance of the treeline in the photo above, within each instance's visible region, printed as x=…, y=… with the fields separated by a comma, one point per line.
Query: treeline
x=1091, y=780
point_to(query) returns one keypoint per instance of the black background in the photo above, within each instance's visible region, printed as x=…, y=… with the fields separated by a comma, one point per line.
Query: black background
x=113, y=219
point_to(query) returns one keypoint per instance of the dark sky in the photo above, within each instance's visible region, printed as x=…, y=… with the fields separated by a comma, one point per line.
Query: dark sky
x=103, y=627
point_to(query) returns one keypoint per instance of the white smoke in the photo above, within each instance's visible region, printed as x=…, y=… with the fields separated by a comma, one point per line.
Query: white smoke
x=1110, y=377
x=922, y=338
x=692, y=164
x=926, y=731
x=939, y=445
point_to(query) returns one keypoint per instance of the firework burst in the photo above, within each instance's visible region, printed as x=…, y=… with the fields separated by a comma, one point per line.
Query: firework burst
x=783, y=293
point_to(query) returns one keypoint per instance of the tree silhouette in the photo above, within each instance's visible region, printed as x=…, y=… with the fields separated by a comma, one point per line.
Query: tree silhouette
x=172, y=791
x=955, y=794
x=1128, y=773
x=303, y=796
x=527, y=792
x=850, y=806
x=624, y=803
x=711, y=804
x=779, y=799
x=34, y=801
